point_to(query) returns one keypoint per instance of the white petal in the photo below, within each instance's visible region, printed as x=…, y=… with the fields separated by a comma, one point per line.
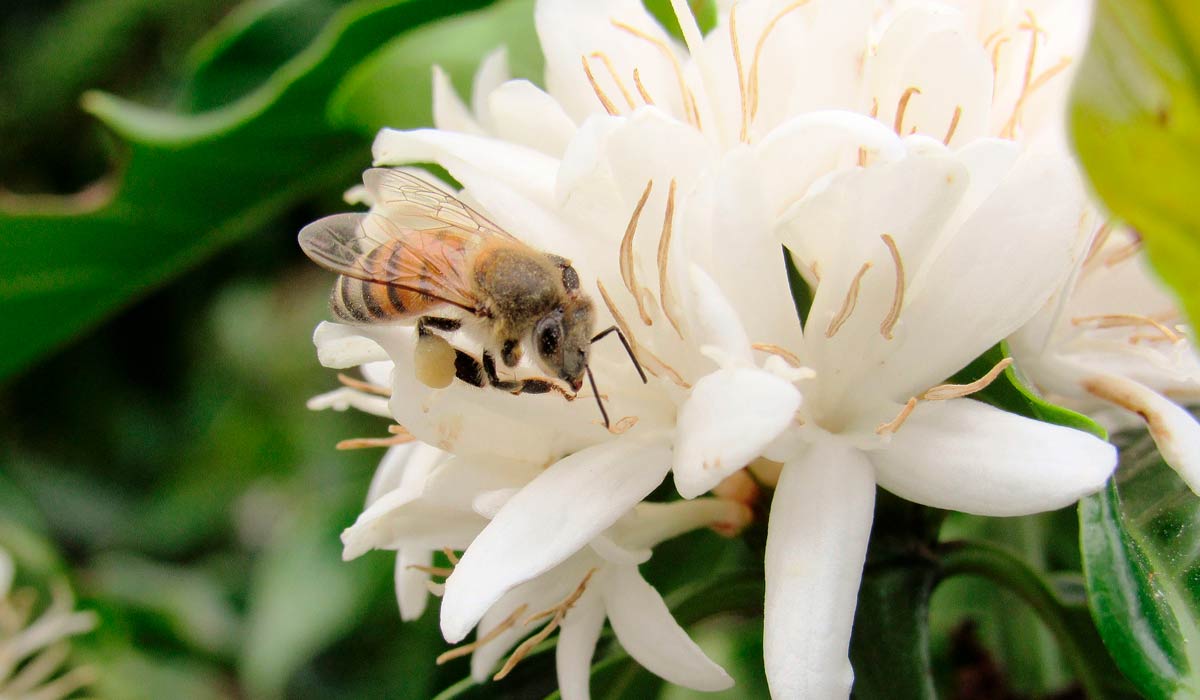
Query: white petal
x=716, y=322
x=550, y=519
x=577, y=644
x=1174, y=430
x=651, y=523
x=646, y=630
x=449, y=112
x=967, y=298
x=965, y=455
x=345, y=397
x=731, y=415
x=820, y=523
x=522, y=113
x=404, y=467
x=493, y=72
x=340, y=346
x=411, y=593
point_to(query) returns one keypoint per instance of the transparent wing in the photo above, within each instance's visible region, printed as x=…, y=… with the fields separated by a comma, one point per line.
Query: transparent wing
x=411, y=201
x=430, y=261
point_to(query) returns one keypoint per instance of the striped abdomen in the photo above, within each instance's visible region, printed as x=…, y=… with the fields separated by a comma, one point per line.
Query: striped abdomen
x=360, y=301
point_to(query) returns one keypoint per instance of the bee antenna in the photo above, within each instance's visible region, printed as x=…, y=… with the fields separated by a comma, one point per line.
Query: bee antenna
x=599, y=402
x=628, y=349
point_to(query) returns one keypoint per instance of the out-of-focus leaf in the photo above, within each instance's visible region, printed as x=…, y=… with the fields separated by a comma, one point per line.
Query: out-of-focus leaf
x=128, y=673
x=1141, y=538
x=392, y=88
x=192, y=603
x=303, y=597
x=1135, y=118
x=191, y=184
x=250, y=44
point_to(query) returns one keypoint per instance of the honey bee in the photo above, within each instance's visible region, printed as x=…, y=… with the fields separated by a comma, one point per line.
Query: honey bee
x=424, y=257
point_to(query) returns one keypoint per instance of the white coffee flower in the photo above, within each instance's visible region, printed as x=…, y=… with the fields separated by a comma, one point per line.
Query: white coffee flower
x=34, y=649
x=423, y=501
x=1115, y=337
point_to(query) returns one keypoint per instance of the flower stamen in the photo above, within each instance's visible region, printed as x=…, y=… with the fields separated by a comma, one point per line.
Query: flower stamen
x=1127, y=320
x=559, y=612
x=365, y=387
x=953, y=124
x=628, y=273
x=496, y=631
x=450, y=555
x=689, y=100
x=637, y=81
x=612, y=71
x=400, y=436
x=894, y=424
x=848, y=303
x=744, y=134
x=431, y=570
x=1123, y=253
x=1029, y=83
x=787, y=355
x=752, y=88
x=893, y=314
x=902, y=107
x=1101, y=237
x=600, y=94
x=944, y=392
x=665, y=293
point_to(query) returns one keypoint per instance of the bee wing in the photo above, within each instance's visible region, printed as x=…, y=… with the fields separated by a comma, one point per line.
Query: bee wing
x=430, y=261
x=406, y=198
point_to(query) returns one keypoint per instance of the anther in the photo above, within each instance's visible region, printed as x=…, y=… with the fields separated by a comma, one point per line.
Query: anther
x=953, y=124
x=665, y=293
x=450, y=555
x=600, y=95
x=689, y=101
x=637, y=81
x=901, y=107
x=1098, y=241
x=365, y=387
x=431, y=570
x=1124, y=320
x=616, y=78
x=559, y=612
x=773, y=349
x=496, y=631
x=944, y=392
x=623, y=425
x=894, y=424
x=400, y=436
x=628, y=272
x=744, y=134
x=893, y=314
x=1123, y=253
x=848, y=303
x=752, y=87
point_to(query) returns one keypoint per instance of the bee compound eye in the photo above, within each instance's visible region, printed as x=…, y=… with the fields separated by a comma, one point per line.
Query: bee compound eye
x=570, y=278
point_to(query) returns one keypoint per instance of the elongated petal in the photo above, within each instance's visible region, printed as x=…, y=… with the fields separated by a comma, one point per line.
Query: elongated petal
x=577, y=644
x=522, y=113
x=965, y=455
x=820, y=524
x=449, y=112
x=1174, y=430
x=730, y=417
x=550, y=519
x=411, y=593
x=646, y=629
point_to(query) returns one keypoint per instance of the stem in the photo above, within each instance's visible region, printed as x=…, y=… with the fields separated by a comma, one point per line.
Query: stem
x=996, y=564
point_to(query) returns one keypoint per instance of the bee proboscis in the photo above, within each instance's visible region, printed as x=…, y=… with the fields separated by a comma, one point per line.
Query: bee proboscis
x=422, y=252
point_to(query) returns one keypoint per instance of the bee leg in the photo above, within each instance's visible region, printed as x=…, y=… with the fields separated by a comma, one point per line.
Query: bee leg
x=511, y=352
x=468, y=369
x=520, y=386
x=437, y=323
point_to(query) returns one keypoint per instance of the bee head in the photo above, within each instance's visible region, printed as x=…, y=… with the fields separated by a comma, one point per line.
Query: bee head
x=563, y=338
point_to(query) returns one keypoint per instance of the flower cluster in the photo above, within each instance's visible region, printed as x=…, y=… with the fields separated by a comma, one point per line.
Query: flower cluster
x=909, y=159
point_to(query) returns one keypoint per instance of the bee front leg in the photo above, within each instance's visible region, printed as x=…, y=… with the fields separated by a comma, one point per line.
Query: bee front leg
x=533, y=385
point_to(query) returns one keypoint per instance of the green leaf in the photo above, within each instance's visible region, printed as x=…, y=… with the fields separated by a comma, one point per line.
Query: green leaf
x=1135, y=118
x=380, y=92
x=1140, y=537
x=303, y=597
x=190, y=184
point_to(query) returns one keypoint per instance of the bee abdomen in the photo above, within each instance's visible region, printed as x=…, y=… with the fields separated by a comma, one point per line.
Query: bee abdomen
x=359, y=301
